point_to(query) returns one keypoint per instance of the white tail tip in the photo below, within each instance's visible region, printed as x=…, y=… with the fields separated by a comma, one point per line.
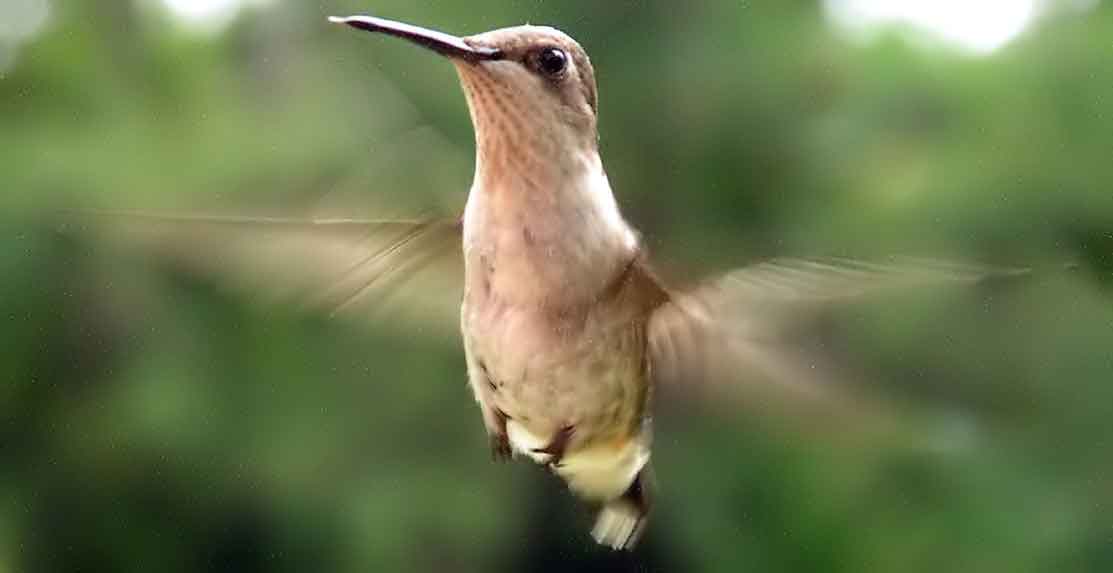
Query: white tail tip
x=619, y=525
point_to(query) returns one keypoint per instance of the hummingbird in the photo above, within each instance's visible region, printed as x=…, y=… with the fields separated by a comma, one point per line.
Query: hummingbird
x=557, y=298
x=569, y=335
x=567, y=331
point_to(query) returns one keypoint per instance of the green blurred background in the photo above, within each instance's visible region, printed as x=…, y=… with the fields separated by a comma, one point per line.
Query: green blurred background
x=151, y=420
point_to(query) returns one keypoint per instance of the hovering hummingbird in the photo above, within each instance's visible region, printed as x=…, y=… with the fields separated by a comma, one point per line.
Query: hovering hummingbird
x=568, y=333
x=566, y=329
x=558, y=301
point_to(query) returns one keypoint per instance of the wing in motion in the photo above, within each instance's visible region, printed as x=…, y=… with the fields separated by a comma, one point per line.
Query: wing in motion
x=726, y=334
x=732, y=330
x=349, y=267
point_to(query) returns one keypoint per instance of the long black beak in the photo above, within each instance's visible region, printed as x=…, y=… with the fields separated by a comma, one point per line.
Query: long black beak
x=444, y=44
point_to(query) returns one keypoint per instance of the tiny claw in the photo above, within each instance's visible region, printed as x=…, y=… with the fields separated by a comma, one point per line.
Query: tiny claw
x=500, y=448
x=500, y=442
x=556, y=447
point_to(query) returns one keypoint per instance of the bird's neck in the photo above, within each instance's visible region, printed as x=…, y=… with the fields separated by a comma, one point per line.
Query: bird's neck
x=542, y=228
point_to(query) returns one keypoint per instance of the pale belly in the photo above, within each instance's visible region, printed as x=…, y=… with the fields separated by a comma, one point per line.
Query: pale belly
x=589, y=376
x=602, y=471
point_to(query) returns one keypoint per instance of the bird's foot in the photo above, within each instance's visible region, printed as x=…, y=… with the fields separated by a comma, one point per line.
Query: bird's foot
x=500, y=448
x=556, y=447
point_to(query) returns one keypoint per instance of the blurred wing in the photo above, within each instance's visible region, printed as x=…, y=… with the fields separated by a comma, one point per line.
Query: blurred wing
x=347, y=267
x=733, y=330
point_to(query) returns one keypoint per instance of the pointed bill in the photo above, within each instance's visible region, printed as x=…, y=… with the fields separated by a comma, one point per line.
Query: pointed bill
x=440, y=42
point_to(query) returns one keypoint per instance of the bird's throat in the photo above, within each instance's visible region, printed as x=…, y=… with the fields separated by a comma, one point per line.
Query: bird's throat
x=552, y=237
x=541, y=225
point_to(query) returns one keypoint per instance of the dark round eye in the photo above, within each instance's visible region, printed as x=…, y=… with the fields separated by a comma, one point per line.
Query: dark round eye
x=552, y=61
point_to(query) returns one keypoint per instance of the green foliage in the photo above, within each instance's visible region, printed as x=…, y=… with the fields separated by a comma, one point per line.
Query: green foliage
x=151, y=421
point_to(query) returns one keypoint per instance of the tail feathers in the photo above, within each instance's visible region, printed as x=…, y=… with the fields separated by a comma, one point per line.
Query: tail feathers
x=622, y=520
x=620, y=524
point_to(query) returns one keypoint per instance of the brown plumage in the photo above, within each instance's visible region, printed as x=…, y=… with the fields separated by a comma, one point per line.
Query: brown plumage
x=567, y=332
x=565, y=329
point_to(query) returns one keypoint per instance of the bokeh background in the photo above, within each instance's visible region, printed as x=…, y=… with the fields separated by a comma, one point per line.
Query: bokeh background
x=153, y=419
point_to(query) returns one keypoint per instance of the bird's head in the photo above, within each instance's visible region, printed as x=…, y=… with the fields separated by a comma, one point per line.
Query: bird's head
x=531, y=91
